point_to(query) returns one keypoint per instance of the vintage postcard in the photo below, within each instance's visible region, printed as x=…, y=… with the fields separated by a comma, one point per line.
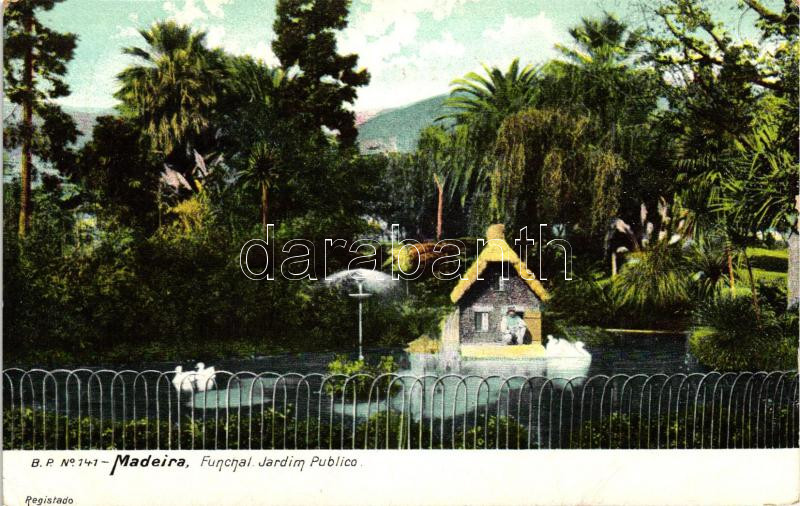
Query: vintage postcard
x=252, y=245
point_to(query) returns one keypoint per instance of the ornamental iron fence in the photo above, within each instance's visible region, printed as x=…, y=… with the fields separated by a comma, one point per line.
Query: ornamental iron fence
x=126, y=409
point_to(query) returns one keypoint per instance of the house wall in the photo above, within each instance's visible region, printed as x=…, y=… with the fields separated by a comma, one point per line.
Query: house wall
x=483, y=293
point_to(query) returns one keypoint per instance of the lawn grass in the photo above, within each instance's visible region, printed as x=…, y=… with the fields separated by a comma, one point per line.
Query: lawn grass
x=769, y=265
x=765, y=260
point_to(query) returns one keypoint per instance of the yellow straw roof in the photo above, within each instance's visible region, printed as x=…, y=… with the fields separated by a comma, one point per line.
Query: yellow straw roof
x=497, y=250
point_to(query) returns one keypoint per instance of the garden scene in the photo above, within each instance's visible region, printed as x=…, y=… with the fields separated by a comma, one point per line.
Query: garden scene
x=578, y=228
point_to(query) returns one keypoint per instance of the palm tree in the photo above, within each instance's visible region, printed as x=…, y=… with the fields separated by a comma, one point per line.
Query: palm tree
x=257, y=135
x=759, y=191
x=596, y=74
x=261, y=171
x=479, y=104
x=172, y=90
x=604, y=43
x=433, y=156
x=485, y=101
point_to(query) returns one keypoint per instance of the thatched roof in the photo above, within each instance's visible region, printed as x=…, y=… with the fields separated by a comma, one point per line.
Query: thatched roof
x=497, y=250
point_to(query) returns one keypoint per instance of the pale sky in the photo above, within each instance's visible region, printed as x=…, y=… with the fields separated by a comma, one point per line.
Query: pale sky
x=412, y=48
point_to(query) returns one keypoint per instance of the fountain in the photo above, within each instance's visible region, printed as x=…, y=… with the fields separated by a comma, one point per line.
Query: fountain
x=360, y=296
x=373, y=281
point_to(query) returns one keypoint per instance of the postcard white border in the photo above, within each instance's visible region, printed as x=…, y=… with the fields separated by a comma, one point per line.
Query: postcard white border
x=432, y=477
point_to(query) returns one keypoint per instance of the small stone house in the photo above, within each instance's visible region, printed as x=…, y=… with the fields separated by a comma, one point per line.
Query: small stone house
x=483, y=297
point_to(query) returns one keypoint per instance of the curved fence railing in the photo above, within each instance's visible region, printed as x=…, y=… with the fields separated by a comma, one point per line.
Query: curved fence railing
x=107, y=409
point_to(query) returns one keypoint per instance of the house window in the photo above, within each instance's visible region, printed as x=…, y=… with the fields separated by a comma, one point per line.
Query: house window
x=482, y=321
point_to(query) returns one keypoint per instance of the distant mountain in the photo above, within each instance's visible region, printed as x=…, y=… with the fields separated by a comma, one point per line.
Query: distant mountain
x=85, y=117
x=388, y=130
x=398, y=129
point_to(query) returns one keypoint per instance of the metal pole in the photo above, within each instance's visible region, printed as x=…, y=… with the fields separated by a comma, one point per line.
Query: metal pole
x=360, y=330
x=361, y=295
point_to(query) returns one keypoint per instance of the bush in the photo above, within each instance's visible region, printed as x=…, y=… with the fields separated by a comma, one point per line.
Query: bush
x=359, y=386
x=654, y=280
x=269, y=430
x=729, y=337
x=585, y=301
x=423, y=344
x=701, y=428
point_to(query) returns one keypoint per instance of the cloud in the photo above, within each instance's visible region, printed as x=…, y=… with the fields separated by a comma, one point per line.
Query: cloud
x=532, y=38
x=414, y=75
x=445, y=47
x=214, y=7
x=126, y=32
x=263, y=51
x=217, y=36
x=426, y=68
x=190, y=11
x=382, y=13
x=521, y=31
x=387, y=27
x=185, y=15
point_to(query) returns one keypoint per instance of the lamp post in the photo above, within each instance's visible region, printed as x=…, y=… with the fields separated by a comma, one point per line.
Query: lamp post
x=361, y=295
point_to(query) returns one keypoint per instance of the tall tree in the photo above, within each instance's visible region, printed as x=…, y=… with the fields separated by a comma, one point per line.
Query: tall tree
x=599, y=75
x=324, y=80
x=256, y=134
x=479, y=104
x=483, y=102
x=34, y=63
x=550, y=152
x=723, y=84
x=433, y=157
x=172, y=91
x=117, y=166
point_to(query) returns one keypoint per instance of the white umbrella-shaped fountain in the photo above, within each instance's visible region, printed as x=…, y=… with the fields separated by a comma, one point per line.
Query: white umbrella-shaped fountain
x=367, y=282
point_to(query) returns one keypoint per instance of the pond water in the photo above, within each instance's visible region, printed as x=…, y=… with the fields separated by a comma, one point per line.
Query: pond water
x=622, y=353
x=128, y=395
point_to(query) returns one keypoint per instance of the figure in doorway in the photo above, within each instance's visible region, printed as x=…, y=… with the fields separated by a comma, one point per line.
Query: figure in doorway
x=512, y=328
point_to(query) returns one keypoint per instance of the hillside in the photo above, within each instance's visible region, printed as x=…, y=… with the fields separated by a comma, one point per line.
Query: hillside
x=85, y=118
x=397, y=129
x=391, y=130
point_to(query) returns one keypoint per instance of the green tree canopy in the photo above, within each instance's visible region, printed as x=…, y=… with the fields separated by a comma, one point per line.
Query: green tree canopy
x=34, y=64
x=172, y=91
x=323, y=80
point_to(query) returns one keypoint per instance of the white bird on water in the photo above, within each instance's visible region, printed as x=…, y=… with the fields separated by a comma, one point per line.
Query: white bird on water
x=184, y=381
x=557, y=348
x=205, y=377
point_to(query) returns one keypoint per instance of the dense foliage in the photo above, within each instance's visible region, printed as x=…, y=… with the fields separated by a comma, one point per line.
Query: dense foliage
x=730, y=336
x=663, y=153
x=245, y=431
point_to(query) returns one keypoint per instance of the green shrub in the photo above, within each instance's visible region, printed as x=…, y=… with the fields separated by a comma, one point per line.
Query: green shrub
x=585, y=301
x=654, y=280
x=270, y=429
x=689, y=428
x=728, y=336
x=359, y=386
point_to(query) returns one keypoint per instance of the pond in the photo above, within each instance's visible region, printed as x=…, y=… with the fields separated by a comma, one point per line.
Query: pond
x=627, y=353
x=619, y=353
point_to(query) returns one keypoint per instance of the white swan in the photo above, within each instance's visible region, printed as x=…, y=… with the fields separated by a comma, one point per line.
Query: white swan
x=579, y=346
x=557, y=347
x=567, y=360
x=551, y=346
x=184, y=381
x=205, y=377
